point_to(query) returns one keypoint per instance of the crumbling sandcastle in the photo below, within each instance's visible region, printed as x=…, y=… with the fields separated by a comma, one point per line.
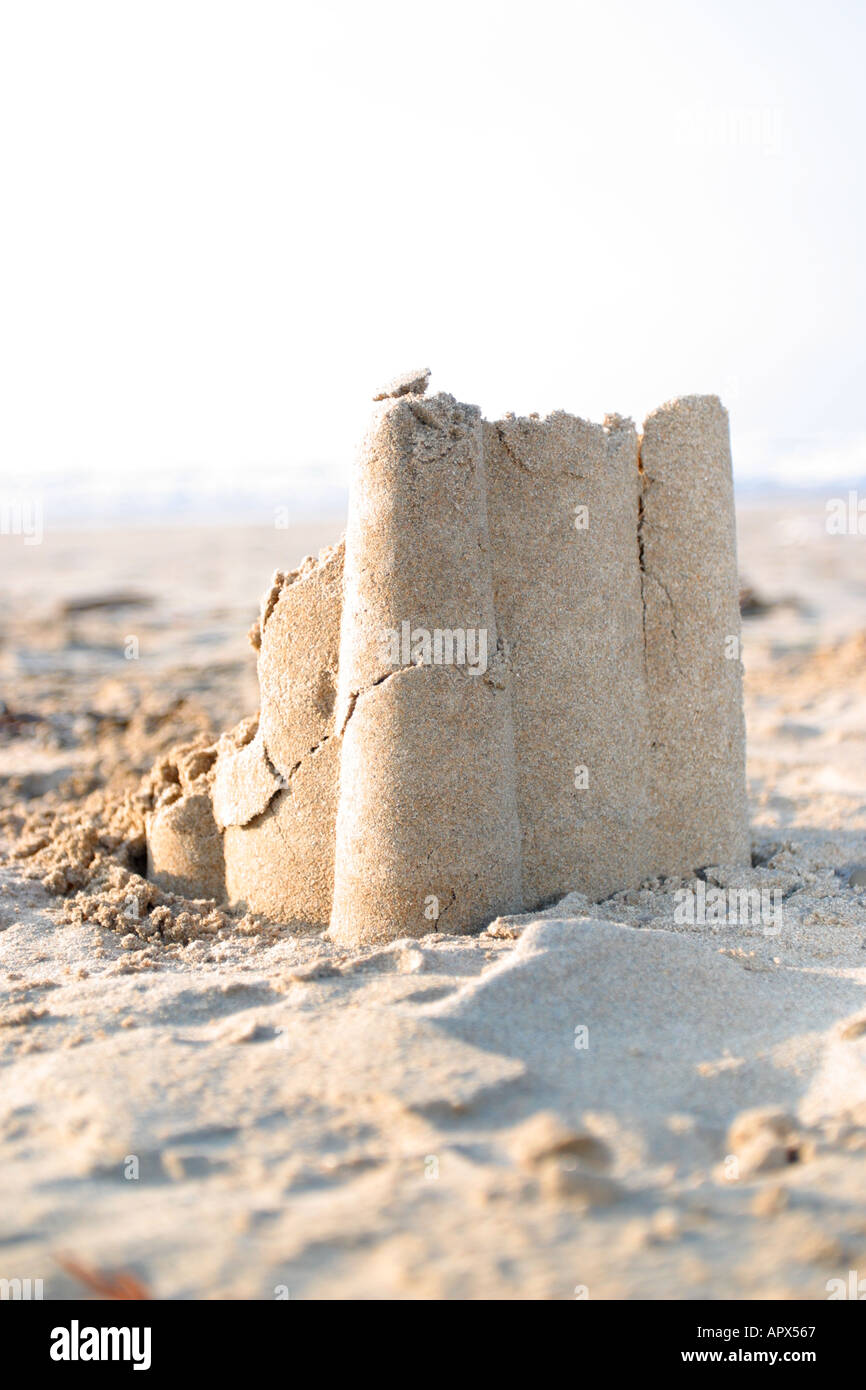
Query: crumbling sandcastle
x=516, y=677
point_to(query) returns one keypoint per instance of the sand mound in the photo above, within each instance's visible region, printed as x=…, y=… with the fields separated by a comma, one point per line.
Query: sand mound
x=640, y=1022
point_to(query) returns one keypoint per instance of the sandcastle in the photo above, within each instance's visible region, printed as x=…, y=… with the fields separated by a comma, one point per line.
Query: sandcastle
x=517, y=676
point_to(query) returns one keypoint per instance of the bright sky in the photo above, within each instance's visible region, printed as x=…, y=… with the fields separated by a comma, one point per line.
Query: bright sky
x=225, y=224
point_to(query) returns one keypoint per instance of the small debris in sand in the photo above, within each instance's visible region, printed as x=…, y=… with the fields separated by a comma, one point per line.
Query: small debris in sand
x=762, y=1139
x=93, y=603
x=407, y=384
x=754, y=605
x=545, y=1137
x=117, y=1284
x=853, y=1030
x=565, y=1162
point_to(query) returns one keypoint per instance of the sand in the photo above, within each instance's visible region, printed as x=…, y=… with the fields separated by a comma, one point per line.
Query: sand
x=427, y=832
x=601, y=1100
x=692, y=638
x=569, y=600
x=517, y=676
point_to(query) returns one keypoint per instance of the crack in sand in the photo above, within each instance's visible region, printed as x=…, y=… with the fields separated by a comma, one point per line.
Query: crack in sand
x=646, y=574
x=356, y=695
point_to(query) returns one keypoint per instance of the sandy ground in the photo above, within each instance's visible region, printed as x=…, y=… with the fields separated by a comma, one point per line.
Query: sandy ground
x=559, y=1107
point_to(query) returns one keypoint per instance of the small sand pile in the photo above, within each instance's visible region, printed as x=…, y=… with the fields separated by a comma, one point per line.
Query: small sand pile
x=90, y=854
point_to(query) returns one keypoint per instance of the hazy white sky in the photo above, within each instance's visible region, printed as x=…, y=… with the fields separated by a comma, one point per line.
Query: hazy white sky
x=225, y=223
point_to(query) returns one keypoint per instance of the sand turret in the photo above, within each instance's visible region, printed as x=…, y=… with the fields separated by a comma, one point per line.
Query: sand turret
x=427, y=829
x=688, y=548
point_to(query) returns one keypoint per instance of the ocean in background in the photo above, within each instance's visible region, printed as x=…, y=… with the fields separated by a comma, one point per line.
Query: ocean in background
x=188, y=496
x=283, y=495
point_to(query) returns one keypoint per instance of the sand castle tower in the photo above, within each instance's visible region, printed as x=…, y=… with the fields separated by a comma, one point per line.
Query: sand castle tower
x=518, y=676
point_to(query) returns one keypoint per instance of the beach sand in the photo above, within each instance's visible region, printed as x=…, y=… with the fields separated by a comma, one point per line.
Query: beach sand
x=598, y=1101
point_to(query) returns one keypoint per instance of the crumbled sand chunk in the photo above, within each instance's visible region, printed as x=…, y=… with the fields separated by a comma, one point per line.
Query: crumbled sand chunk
x=408, y=384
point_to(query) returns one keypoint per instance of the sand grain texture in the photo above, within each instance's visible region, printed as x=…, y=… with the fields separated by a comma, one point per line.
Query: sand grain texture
x=413, y=1119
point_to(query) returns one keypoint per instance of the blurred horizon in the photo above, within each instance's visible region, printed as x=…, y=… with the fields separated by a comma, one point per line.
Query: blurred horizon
x=189, y=501
x=227, y=224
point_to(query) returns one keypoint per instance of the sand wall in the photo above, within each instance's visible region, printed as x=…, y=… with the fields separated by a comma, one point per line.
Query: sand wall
x=279, y=860
x=563, y=504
